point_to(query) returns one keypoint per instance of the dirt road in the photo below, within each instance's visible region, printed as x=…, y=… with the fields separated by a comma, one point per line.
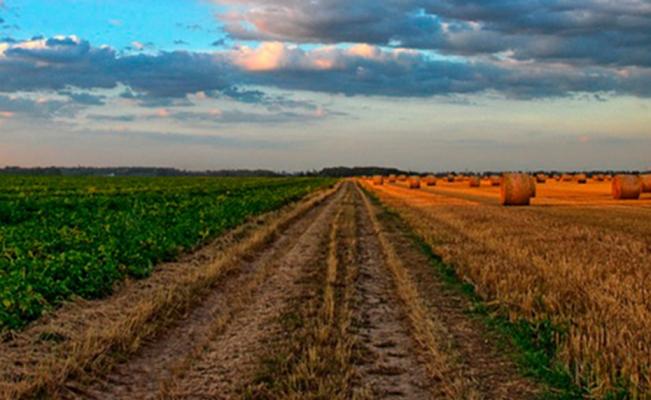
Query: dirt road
x=337, y=302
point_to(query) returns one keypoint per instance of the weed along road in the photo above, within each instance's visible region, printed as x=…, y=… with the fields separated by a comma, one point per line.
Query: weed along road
x=327, y=298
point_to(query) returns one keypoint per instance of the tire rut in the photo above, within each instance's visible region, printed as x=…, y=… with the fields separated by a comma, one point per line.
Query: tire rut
x=230, y=358
x=393, y=366
x=210, y=350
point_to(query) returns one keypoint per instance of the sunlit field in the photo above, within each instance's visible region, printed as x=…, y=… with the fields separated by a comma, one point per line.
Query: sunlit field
x=575, y=258
x=325, y=200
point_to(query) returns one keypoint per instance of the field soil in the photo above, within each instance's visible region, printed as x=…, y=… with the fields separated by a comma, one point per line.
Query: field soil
x=329, y=298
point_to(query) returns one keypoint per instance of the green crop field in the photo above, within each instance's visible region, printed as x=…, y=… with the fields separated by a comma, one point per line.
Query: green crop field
x=65, y=236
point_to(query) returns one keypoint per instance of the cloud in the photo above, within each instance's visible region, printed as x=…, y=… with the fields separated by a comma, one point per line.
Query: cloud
x=36, y=108
x=84, y=98
x=165, y=79
x=193, y=139
x=112, y=118
x=216, y=116
x=370, y=70
x=63, y=62
x=596, y=32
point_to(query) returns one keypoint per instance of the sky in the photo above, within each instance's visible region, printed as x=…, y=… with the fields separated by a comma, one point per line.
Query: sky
x=430, y=85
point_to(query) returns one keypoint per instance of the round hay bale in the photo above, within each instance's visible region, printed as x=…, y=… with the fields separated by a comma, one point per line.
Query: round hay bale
x=460, y=178
x=414, y=182
x=626, y=187
x=378, y=180
x=430, y=180
x=646, y=183
x=581, y=178
x=541, y=178
x=598, y=177
x=495, y=180
x=567, y=178
x=402, y=178
x=391, y=179
x=474, y=181
x=450, y=178
x=516, y=189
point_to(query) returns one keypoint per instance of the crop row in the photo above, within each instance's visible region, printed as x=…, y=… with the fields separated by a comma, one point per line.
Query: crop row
x=63, y=237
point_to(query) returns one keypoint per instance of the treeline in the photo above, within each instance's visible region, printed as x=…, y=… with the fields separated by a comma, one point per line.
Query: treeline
x=134, y=171
x=333, y=172
x=345, y=172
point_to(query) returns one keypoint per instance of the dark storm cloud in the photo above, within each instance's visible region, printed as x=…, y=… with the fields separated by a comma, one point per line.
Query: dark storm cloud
x=579, y=31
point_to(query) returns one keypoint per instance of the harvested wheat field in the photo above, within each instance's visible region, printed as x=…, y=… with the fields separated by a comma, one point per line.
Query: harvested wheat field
x=550, y=193
x=576, y=262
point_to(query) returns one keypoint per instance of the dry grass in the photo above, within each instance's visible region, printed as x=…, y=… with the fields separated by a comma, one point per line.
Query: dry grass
x=584, y=268
x=90, y=334
x=550, y=194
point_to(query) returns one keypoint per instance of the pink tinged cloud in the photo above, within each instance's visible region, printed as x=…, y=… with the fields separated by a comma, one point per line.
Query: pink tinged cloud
x=320, y=112
x=271, y=56
x=268, y=56
x=6, y=114
x=201, y=95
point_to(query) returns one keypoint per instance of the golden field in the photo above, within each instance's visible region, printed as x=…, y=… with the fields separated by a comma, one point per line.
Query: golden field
x=575, y=257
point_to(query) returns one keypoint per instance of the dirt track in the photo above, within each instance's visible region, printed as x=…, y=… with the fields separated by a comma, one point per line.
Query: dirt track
x=337, y=304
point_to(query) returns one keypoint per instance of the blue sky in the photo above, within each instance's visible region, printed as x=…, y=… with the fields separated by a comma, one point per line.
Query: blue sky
x=291, y=85
x=167, y=25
